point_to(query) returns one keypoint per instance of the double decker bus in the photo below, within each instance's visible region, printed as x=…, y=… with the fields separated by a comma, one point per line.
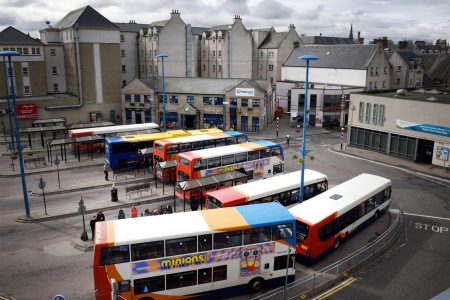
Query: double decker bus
x=283, y=189
x=167, y=150
x=215, y=252
x=125, y=151
x=323, y=222
x=259, y=159
x=106, y=131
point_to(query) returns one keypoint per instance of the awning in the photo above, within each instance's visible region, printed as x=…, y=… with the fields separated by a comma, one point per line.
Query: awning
x=194, y=184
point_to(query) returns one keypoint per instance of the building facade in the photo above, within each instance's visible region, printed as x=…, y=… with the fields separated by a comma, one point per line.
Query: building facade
x=407, y=70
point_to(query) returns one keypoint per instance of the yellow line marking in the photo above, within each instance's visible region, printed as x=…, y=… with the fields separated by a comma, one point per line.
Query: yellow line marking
x=3, y=298
x=335, y=289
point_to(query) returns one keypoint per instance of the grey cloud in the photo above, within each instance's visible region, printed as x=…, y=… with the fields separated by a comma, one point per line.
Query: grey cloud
x=6, y=19
x=234, y=7
x=309, y=14
x=271, y=10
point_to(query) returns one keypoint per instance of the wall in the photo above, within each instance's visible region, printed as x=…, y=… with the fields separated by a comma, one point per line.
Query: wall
x=325, y=75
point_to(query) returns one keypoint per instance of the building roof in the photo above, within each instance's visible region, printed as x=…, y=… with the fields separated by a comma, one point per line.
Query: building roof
x=130, y=27
x=85, y=17
x=12, y=36
x=436, y=66
x=325, y=40
x=352, y=56
x=221, y=27
x=431, y=95
x=273, y=40
x=159, y=23
x=199, y=30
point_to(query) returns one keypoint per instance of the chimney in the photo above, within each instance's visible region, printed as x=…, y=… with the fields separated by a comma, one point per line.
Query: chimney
x=175, y=12
x=291, y=27
x=237, y=18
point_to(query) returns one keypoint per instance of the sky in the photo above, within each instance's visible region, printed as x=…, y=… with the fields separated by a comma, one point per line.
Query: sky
x=397, y=19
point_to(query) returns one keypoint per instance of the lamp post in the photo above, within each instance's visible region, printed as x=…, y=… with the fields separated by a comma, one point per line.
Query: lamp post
x=278, y=118
x=225, y=115
x=306, y=58
x=8, y=111
x=162, y=56
x=19, y=146
x=342, y=119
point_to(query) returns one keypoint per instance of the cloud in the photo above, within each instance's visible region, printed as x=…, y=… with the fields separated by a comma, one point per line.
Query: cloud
x=271, y=10
x=6, y=19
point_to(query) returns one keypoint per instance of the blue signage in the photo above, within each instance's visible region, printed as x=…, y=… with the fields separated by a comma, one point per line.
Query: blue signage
x=427, y=128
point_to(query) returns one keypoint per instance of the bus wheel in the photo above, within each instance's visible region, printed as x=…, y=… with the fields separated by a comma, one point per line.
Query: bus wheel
x=255, y=285
x=337, y=243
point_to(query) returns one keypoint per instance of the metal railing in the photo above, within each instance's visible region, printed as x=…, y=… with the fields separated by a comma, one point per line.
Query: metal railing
x=325, y=278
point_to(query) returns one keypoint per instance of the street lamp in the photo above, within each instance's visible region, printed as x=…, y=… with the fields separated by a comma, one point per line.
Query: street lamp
x=342, y=119
x=13, y=148
x=306, y=58
x=225, y=115
x=19, y=146
x=278, y=118
x=162, y=56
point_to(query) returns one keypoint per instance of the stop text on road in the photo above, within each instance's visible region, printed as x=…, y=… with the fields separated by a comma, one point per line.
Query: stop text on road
x=429, y=227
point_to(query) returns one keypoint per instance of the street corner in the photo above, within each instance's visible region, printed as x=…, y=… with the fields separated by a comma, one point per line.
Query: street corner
x=84, y=246
x=25, y=219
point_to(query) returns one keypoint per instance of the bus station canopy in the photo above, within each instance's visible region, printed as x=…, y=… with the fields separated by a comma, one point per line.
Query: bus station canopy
x=168, y=164
x=200, y=183
x=90, y=125
x=42, y=129
x=77, y=140
x=39, y=122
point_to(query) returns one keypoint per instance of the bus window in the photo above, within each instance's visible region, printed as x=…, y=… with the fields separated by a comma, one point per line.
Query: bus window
x=302, y=231
x=200, y=165
x=241, y=157
x=123, y=147
x=220, y=273
x=294, y=196
x=378, y=199
x=181, y=246
x=321, y=187
x=228, y=160
x=204, y=275
x=148, y=285
x=221, y=142
x=265, y=153
x=213, y=203
x=256, y=235
x=281, y=231
x=184, y=161
x=242, y=139
x=278, y=168
x=197, y=146
x=158, y=146
x=231, y=141
x=279, y=262
x=214, y=162
x=115, y=255
x=308, y=192
x=370, y=204
x=185, y=147
x=205, y=242
x=387, y=194
x=183, y=176
x=147, y=250
x=227, y=239
x=172, y=149
x=209, y=144
x=179, y=280
x=253, y=155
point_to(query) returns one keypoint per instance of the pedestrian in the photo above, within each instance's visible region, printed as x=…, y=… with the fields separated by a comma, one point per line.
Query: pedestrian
x=134, y=212
x=92, y=224
x=194, y=204
x=288, y=137
x=121, y=215
x=100, y=216
x=105, y=170
x=147, y=212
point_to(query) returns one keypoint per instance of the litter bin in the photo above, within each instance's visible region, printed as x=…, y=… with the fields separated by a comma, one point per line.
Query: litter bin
x=114, y=197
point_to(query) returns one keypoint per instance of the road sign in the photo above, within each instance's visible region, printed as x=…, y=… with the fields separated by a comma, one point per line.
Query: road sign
x=59, y=297
x=81, y=207
x=41, y=184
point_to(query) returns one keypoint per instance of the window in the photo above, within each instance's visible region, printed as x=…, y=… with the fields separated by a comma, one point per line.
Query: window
x=127, y=98
x=148, y=116
x=244, y=102
x=270, y=53
x=371, y=71
x=282, y=231
x=384, y=84
x=257, y=235
x=385, y=70
x=147, y=98
x=123, y=69
x=218, y=100
x=233, y=102
x=399, y=68
x=33, y=51
x=148, y=285
x=367, y=118
x=114, y=255
x=398, y=81
x=375, y=114
x=122, y=38
x=227, y=239
x=53, y=52
x=55, y=88
x=25, y=71
x=381, y=115
x=207, y=100
x=147, y=250
x=204, y=275
x=219, y=68
x=38, y=51
x=19, y=50
x=376, y=71
x=199, y=164
x=270, y=67
x=182, y=279
x=240, y=157
x=137, y=98
x=160, y=97
x=228, y=160
x=220, y=273
x=220, y=53
x=25, y=51
x=173, y=99
x=190, y=99
x=54, y=71
x=26, y=89
x=124, y=83
x=214, y=53
x=253, y=155
x=280, y=263
x=122, y=53
x=181, y=246
x=205, y=242
x=255, y=102
x=214, y=162
x=262, y=54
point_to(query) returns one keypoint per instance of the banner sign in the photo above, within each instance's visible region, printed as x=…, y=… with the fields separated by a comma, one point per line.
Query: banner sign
x=245, y=92
x=26, y=111
x=426, y=128
x=442, y=153
x=250, y=257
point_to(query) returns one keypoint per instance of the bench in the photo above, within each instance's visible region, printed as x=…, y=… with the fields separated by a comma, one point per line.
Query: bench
x=123, y=172
x=35, y=160
x=138, y=188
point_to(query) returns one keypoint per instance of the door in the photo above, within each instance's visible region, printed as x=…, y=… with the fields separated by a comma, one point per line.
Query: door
x=425, y=151
x=189, y=122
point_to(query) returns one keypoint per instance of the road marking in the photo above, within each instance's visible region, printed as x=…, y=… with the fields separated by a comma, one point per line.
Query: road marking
x=425, y=216
x=335, y=289
x=3, y=298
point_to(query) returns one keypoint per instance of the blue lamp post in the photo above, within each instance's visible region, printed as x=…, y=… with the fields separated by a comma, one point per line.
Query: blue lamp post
x=162, y=56
x=13, y=148
x=19, y=146
x=306, y=58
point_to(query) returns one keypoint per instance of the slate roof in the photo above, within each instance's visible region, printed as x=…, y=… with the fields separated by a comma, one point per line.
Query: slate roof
x=130, y=27
x=220, y=27
x=86, y=17
x=436, y=66
x=159, y=23
x=325, y=40
x=352, y=56
x=199, y=30
x=12, y=36
x=273, y=40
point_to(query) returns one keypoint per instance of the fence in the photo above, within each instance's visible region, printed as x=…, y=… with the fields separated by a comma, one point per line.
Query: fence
x=313, y=284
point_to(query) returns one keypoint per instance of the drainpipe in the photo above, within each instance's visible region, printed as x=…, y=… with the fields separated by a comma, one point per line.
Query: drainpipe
x=76, y=26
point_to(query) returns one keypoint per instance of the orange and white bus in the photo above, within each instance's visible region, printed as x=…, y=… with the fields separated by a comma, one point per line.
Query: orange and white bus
x=215, y=252
x=167, y=149
x=259, y=159
x=283, y=188
x=325, y=221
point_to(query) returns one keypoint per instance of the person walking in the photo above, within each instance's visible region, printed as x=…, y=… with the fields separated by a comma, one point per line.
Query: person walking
x=100, y=216
x=92, y=224
x=288, y=137
x=134, y=212
x=194, y=204
x=121, y=215
x=106, y=171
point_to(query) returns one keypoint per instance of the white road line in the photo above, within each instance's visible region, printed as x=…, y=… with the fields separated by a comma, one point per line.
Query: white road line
x=425, y=216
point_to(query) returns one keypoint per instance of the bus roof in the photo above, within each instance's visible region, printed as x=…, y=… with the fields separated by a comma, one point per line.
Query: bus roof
x=227, y=150
x=113, y=129
x=162, y=135
x=263, y=188
x=135, y=230
x=355, y=190
x=197, y=138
